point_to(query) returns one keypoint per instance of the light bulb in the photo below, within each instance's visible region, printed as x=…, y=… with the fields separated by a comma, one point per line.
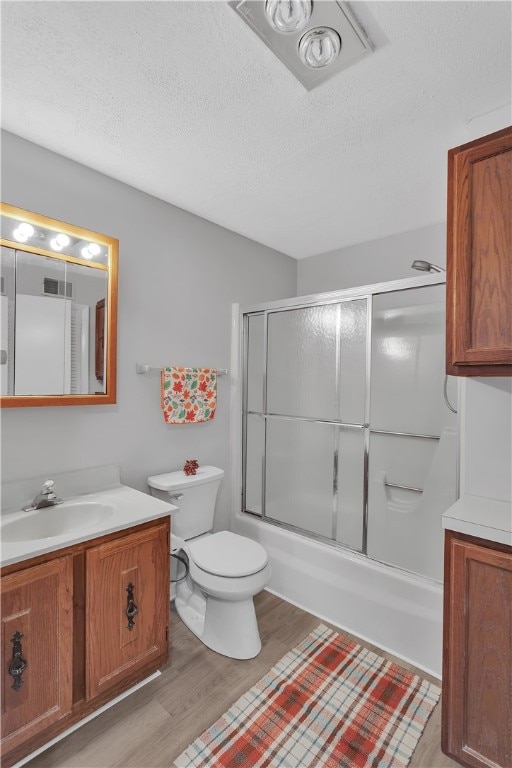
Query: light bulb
x=62, y=239
x=86, y=252
x=23, y=231
x=26, y=229
x=19, y=236
x=94, y=249
x=319, y=47
x=54, y=243
x=288, y=16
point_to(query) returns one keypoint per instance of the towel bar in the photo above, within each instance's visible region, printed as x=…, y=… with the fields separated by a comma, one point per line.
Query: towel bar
x=143, y=368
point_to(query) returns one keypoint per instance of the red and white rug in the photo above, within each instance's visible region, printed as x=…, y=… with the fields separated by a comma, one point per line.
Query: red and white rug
x=328, y=702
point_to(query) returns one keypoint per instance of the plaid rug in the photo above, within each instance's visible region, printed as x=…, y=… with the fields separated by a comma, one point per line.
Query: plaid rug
x=328, y=702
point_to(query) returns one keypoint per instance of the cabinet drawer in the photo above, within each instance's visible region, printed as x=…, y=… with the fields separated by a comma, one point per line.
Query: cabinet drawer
x=127, y=607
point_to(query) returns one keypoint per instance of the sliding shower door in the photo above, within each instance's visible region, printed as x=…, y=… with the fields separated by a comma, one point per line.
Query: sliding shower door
x=306, y=418
x=324, y=455
x=413, y=443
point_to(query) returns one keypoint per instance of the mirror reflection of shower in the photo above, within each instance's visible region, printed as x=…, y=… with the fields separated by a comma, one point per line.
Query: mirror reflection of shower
x=426, y=266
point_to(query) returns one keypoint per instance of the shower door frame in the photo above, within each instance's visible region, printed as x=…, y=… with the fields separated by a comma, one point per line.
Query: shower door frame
x=302, y=302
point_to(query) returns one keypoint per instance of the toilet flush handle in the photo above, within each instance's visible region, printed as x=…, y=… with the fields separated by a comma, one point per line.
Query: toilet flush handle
x=176, y=496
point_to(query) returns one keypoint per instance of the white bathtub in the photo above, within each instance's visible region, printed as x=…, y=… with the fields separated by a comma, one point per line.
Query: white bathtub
x=395, y=610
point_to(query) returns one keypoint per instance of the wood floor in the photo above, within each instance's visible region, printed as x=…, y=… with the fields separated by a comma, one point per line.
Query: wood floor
x=153, y=726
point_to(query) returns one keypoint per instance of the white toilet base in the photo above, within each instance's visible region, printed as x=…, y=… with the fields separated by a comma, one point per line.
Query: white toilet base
x=227, y=627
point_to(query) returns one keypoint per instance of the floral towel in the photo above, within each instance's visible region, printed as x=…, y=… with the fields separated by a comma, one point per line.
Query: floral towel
x=189, y=395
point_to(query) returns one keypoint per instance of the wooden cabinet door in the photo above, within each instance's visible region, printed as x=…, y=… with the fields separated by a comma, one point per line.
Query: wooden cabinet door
x=477, y=660
x=127, y=607
x=479, y=259
x=37, y=607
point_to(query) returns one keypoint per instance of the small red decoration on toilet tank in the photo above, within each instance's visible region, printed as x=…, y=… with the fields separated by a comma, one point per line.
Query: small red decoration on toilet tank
x=191, y=467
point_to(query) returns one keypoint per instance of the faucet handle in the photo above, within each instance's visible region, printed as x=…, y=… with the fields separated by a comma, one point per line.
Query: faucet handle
x=48, y=486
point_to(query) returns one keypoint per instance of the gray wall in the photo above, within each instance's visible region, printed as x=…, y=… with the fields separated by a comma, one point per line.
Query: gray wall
x=486, y=450
x=375, y=261
x=178, y=276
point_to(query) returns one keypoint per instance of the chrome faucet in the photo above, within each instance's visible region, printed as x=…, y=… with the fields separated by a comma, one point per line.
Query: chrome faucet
x=47, y=498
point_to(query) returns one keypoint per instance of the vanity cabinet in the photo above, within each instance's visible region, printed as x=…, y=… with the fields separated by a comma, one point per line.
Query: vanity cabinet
x=89, y=622
x=477, y=653
x=126, y=611
x=479, y=258
x=37, y=654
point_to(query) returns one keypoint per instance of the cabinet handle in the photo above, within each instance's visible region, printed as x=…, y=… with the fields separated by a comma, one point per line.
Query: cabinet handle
x=131, y=608
x=18, y=664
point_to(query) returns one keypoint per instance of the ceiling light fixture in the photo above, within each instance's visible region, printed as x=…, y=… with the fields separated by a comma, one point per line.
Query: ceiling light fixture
x=288, y=16
x=319, y=47
x=315, y=39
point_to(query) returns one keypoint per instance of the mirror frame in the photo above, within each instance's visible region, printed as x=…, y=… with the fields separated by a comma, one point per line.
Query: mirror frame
x=112, y=245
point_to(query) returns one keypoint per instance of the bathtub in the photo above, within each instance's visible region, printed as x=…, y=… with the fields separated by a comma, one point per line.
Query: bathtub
x=391, y=608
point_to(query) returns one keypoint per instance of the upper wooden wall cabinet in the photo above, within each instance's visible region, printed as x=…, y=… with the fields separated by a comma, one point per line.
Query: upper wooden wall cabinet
x=479, y=259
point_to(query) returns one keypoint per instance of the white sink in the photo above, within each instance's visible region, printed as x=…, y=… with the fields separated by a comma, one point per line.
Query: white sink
x=86, y=513
x=49, y=522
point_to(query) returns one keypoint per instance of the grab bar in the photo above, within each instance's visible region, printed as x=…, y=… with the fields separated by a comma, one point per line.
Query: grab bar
x=403, y=434
x=403, y=487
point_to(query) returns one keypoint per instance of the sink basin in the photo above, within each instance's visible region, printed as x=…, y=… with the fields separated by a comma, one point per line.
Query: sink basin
x=50, y=522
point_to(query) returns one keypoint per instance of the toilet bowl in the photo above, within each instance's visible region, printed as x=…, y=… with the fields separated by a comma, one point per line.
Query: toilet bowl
x=215, y=600
x=224, y=570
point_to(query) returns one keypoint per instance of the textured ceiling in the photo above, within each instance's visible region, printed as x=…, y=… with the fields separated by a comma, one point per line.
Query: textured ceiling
x=183, y=101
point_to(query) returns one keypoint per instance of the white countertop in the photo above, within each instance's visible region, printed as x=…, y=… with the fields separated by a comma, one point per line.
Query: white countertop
x=129, y=508
x=482, y=517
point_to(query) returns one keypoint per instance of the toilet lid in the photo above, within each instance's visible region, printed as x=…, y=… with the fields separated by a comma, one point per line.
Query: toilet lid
x=228, y=554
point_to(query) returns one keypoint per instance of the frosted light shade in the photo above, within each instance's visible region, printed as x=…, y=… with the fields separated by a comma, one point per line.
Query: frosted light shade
x=23, y=231
x=26, y=229
x=54, y=243
x=288, y=16
x=319, y=47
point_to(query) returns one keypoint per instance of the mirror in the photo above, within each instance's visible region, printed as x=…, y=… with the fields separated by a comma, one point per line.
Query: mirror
x=58, y=312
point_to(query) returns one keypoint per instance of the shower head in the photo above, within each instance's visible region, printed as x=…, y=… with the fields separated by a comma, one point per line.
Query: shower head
x=426, y=266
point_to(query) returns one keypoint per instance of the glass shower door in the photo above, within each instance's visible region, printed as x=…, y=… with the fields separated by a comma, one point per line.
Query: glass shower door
x=305, y=418
x=412, y=468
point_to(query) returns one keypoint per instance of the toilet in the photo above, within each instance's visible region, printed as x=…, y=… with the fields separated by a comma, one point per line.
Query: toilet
x=225, y=570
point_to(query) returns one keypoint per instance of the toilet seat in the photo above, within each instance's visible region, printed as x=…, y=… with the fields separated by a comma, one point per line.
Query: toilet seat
x=228, y=554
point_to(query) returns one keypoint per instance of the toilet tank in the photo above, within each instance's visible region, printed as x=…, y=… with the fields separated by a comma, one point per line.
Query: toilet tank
x=196, y=504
